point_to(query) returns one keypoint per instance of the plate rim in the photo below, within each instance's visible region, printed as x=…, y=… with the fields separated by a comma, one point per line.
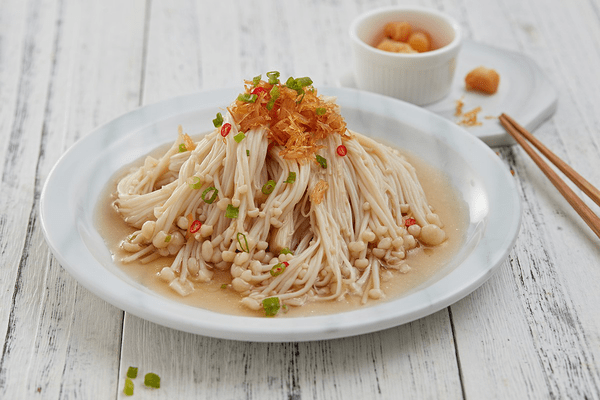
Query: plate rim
x=272, y=329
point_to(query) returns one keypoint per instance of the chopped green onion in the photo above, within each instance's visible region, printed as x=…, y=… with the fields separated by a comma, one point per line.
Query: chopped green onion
x=285, y=250
x=197, y=183
x=232, y=212
x=322, y=161
x=217, y=122
x=239, y=137
x=247, y=97
x=274, y=93
x=256, y=80
x=248, y=153
x=291, y=178
x=212, y=198
x=298, y=84
x=128, y=389
x=271, y=306
x=269, y=187
x=291, y=83
x=278, y=268
x=285, y=308
x=273, y=77
x=152, y=380
x=321, y=110
x=168, y=239
x=224, y=286
x=243, y=245
x=132, y=372
x=303, y=82
x=132, y=237
x=182, y=148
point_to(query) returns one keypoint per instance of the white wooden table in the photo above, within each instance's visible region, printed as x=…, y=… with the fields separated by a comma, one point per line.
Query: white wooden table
x=67, y=66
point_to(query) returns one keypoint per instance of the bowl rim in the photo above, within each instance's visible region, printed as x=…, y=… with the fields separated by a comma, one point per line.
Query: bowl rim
x=450, y=47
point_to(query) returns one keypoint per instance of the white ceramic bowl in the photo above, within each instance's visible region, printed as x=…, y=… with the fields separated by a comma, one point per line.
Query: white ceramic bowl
x=419, y=78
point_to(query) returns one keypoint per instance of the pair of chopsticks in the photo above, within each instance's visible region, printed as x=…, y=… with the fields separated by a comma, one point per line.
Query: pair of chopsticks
x=521, y=135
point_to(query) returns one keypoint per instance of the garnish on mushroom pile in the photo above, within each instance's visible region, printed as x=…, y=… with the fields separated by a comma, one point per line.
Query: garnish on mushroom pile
x=295, y=116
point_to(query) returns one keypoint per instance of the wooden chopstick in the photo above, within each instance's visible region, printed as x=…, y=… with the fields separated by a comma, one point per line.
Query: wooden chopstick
x=521, y=135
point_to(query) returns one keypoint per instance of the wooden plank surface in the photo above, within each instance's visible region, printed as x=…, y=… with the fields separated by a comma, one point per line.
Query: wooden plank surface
x=532, y=331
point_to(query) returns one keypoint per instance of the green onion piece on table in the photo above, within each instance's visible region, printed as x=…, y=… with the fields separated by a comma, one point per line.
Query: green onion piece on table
x=152, y=380
x=132, y=372
x=128, y=389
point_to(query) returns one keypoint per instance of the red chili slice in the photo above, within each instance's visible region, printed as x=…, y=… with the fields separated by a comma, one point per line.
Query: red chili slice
x=258, y=90
x=409, y=222
x=195, y=227
x=342, y=150
x=225, y=129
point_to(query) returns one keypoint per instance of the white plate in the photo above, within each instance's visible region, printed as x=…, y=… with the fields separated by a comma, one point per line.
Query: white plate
x=524, y=92
x=73, y=187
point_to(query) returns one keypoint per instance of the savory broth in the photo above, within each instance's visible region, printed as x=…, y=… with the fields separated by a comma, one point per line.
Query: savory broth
x=424, y=263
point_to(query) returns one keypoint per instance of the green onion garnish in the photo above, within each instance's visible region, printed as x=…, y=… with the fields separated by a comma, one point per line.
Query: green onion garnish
x=247, y=97
x=182, y=148
x=298, y=84
x=197, y=183
x=285, y=250
x=303, y=82
x=239, y=137
x=291, y=178
x=168, y=239
x=152, y=380
x=278, y=268
x=217, y=122
x=322, y=161
x=273, y=77
x=321, y=110
x=212, y=198
x=248, y=153
x=132, y=372
x=243, y=244
x=232, y=212
x=271, y=306
x=256, y=80
x=274, y=93
x=224, y=286
x=268, y=187
x=128, y=389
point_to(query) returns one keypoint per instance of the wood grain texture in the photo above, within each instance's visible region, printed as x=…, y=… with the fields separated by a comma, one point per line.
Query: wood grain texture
x=532, y=331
